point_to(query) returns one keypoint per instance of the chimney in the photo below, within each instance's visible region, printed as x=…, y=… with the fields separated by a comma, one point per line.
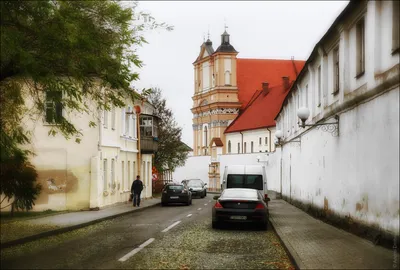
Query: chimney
x=265, y=88
x=286, y=83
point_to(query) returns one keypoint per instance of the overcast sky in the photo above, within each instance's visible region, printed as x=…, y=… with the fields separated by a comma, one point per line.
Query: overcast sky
x=260, y=29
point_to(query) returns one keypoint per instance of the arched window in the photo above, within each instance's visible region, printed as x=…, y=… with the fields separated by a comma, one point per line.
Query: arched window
x=227, y=78
x=205, y=140
x=229, y=147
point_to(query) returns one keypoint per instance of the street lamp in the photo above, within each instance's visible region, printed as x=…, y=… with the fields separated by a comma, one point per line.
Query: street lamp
x=303, y=113
x=279, y=138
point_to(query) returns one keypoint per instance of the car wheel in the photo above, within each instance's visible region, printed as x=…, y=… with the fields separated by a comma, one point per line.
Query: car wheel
x=215, y=225
x=163, y=204
x=264, y=226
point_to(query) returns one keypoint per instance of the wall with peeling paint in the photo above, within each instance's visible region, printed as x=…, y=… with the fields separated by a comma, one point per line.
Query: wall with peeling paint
x=355, y=174
x=73, y=175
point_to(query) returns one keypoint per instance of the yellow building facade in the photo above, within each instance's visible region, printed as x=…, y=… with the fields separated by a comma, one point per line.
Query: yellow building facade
x=215, y=100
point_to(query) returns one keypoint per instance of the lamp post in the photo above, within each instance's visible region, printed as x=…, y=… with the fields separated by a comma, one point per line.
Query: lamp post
x=303, y=113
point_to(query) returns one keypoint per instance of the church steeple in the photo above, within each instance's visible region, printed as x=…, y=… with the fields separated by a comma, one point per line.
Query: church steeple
x=225, y=43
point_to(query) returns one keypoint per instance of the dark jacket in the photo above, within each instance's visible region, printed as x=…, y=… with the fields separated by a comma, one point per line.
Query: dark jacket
x=137, y=186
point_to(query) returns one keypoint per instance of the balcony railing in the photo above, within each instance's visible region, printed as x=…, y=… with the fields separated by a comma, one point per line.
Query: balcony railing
x=148, y=145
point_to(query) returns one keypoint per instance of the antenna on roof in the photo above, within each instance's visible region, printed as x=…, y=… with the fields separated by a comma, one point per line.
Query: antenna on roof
x=208, y=34
x=225, y=24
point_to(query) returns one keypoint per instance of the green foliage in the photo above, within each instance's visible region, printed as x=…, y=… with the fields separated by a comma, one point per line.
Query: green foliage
x=171, y=151
x=85, y=50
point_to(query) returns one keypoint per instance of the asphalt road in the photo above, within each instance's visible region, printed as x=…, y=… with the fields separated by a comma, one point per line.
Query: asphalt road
x=175, y=237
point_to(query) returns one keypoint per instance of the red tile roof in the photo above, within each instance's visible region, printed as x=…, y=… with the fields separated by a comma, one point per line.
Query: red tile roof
x=218, y=142
x=259, y=110
x=252, y=72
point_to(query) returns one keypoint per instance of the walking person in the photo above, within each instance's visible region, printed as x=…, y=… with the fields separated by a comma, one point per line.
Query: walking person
x=136, y=189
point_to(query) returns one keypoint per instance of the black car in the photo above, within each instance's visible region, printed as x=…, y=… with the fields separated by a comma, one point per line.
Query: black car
x=197, y=187
x=240, y=205
x=176, y=193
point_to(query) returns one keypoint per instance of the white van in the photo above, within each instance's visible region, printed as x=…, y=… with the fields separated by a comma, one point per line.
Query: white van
x=246, y=176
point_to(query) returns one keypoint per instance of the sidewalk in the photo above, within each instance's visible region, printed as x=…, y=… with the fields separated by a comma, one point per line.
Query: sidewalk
x=22, y=231
x=314, y=244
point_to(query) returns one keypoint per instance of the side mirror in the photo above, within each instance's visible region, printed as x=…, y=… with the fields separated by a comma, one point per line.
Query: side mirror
x=205, y=184
x=216, y=197
x=190, y=189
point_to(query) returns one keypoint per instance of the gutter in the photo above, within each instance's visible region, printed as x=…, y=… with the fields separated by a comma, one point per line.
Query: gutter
x=269, y=146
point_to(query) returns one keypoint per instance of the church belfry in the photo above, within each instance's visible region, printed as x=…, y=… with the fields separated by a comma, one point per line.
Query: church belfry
x=215, y=99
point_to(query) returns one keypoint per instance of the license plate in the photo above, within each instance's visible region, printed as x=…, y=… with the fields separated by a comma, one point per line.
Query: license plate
x=174, y=197
x=239, y=217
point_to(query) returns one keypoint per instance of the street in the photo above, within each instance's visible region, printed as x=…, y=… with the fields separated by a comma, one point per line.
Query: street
x=177, y=237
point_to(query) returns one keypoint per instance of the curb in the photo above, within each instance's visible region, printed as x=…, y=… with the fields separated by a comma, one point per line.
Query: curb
x=294, y=257
x=68, y=228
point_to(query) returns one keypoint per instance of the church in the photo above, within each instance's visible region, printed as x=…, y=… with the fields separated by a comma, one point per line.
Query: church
x=236, y=100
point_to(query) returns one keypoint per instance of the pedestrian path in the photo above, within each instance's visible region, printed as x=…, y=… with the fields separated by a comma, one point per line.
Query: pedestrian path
x=314, y=244
x=23, y=231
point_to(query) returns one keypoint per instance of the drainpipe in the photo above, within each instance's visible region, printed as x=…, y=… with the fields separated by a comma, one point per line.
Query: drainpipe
x=139, y=157
x=269, y=145
x=242, y=141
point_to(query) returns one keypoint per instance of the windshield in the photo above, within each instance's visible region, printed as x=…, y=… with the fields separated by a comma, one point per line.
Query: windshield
x=245, y=181
x=239, y=194
x=175, y=187
x=194, y=184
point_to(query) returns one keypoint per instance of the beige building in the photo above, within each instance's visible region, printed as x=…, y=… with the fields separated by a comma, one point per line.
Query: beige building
x=100, y=169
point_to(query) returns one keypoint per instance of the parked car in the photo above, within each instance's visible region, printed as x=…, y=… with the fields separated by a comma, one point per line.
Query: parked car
x=176, y=193
x=246, y=176
x=197, y=187
x=241, y=205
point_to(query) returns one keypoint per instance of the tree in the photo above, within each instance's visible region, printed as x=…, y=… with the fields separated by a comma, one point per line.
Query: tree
x=85, y=50
x=172, y=152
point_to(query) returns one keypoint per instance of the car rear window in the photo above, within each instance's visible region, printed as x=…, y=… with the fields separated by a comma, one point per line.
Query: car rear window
x=245, y=181
x=175, y=187
x=240, y=194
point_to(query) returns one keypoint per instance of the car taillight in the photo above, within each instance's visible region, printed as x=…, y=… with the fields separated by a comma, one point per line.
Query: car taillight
x=260, y=206
x=218, y=205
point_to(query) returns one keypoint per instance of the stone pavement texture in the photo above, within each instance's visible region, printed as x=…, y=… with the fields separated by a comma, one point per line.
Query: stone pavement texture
x=23, y=231
x=314, y=244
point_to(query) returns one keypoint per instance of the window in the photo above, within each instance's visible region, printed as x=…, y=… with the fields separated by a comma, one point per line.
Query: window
x=129, y=173
x=252, y=147
x=260, y=140
x=227, y=78
x=123, y=174
x=360, y=30
x=336, y=70
x=307, y=95
x=319, y=86
x=245, y=148
x=229, y=147
x=105, y=174
x=105, y=124
x=266, y=140
x=113, y=117
x=146, y=126
x=238, y=148
x=395, y=28
x=245, y=181
x=53, y=107
x=127, y=116
x=113, y=172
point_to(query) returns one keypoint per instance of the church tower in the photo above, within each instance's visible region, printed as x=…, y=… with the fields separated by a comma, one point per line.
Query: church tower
x=215, y=99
